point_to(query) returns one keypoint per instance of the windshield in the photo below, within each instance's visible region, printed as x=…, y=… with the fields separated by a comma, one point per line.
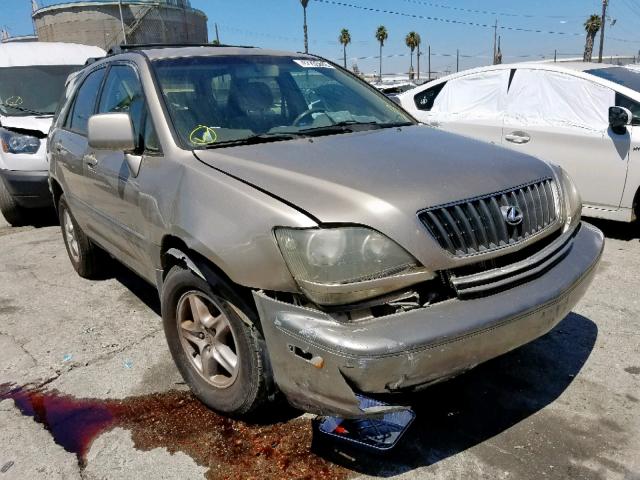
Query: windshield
x=218, y=101
x=33, y=90
x=620, y=75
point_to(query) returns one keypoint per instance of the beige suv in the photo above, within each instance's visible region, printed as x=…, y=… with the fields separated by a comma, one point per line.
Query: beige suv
x=305, y=234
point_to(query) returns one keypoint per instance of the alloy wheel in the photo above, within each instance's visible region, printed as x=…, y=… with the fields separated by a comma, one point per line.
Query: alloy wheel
x=207, y=338
x=70, y=235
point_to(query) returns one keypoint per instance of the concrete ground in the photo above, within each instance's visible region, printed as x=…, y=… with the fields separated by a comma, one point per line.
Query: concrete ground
x=112, y=404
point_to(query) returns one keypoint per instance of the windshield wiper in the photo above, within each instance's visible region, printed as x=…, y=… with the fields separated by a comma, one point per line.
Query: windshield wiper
x=254, y=140
x=26, y=110
x=349, y=127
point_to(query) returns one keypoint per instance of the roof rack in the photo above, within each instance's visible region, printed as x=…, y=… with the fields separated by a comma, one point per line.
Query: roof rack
x=146, y=46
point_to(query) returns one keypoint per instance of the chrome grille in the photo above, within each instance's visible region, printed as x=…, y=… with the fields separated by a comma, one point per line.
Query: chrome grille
x=478, y=225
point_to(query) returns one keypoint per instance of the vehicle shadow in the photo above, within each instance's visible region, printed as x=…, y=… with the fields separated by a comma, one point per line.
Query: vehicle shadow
x=36, y=218
x=146, y=293
x=463, y=412
x=617, y=230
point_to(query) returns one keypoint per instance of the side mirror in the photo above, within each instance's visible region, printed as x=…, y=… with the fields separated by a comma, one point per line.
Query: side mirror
x=111, y=131
x=619, y=119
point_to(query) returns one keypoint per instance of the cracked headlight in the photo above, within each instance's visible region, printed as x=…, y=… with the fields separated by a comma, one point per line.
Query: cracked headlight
x=13, y=142
x=334, y=266
x=572, y=202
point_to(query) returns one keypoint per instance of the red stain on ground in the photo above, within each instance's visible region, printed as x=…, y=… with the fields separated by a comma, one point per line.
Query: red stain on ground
x=177, y=421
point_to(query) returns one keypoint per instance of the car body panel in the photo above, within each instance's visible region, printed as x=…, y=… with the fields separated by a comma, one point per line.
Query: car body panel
x=405, y=351
x=385, y=181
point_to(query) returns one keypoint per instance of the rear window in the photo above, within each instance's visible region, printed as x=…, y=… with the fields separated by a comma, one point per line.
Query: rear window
x=425, y=99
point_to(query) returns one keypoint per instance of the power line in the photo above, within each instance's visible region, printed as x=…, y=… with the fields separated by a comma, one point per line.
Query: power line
x=488, y=12
x=445, y=20
x=461, y=22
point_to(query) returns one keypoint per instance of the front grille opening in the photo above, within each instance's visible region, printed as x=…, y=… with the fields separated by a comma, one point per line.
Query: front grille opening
x=478, y=225
x=508, y=259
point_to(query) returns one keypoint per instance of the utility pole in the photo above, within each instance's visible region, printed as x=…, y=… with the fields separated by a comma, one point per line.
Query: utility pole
x=604, y=22
x=217, y=35
x=418, y=76
x=555, y=56
x=124, y=33
x=429, y=78
x=495, y=41
x=457, y=60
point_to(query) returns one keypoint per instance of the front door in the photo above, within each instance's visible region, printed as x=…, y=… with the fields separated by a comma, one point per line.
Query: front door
x=563, y=119
x=115, y=190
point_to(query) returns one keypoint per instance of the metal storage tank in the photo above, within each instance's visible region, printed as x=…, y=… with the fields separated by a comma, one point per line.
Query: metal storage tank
x=98, y=23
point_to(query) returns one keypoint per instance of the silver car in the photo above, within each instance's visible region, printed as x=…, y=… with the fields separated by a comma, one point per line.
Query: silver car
x=305, y=234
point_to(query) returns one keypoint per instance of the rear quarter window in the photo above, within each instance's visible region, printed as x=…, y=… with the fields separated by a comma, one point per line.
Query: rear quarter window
x=425, y=99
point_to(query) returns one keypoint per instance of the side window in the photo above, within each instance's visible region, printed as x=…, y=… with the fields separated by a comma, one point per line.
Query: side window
x=424, y=100
x=151, y=142
x=542, y=97
x=477, y=95
x=122, y=93
x=626, y=102
x=85, y=102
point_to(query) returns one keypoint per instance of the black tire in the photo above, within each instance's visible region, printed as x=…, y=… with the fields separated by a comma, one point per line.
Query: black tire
x=250, y=389
x=85, y=256
x=13, y=213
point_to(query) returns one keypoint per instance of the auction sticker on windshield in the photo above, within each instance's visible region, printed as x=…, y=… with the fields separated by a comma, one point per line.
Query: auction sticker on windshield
x=313, y=63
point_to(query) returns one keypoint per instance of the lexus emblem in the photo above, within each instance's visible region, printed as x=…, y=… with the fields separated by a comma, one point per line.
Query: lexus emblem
x=512, y=215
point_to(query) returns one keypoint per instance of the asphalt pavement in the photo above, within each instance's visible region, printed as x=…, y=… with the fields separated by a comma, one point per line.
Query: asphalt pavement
x=90, y=390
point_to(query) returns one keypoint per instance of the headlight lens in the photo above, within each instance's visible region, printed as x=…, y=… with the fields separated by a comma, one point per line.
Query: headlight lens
x=13, y=142
x=572, y=200
x=345, y=265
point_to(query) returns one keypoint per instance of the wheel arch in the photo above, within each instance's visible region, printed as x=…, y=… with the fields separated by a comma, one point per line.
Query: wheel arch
x=635, y=206
x=175, y=252
x=56, y=191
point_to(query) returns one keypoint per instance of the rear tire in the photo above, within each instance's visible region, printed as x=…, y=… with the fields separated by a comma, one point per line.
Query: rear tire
x=13, y=213
x=84, y=255
x=230, y=375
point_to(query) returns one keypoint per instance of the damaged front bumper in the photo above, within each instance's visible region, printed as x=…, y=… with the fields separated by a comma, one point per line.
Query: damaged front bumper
x=319, y=362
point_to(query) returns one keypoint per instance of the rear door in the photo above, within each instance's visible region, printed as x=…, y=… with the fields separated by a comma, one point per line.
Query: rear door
x=471, y=105
x=70, y=147
x=563, y=119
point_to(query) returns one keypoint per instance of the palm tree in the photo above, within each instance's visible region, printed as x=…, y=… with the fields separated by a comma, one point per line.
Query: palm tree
x=381, y=36
x=306, y=37
x=412, y=40
x=591, y=26
x=345, y=39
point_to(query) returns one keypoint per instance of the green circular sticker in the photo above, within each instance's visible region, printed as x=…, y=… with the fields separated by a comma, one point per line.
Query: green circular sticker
x=203, y=135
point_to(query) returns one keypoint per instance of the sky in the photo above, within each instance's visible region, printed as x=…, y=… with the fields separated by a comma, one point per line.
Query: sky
x=278, y=24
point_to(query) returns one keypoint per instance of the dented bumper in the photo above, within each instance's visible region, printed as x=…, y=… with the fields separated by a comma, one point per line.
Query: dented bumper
x=319, y=362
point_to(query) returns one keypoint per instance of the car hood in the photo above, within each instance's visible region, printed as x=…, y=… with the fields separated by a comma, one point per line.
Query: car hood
x=378, y=178
x=38, y=124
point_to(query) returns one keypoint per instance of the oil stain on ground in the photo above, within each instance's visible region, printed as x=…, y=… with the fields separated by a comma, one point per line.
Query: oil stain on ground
x=177, y=421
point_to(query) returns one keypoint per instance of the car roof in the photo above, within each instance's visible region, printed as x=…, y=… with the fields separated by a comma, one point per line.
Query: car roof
x=580, y=69
x=158, y=52
x=46, y=53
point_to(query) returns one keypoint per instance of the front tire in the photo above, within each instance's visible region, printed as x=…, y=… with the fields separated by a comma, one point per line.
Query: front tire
x=85, y=256
x=13, y=213
x=219, y=353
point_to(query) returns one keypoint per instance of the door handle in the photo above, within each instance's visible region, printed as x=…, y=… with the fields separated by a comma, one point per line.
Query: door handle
x=58, y=147
x=517, y=137
x=90, y=160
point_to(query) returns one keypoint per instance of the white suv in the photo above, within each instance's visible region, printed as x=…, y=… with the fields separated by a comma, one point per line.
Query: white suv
x=32, y=80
